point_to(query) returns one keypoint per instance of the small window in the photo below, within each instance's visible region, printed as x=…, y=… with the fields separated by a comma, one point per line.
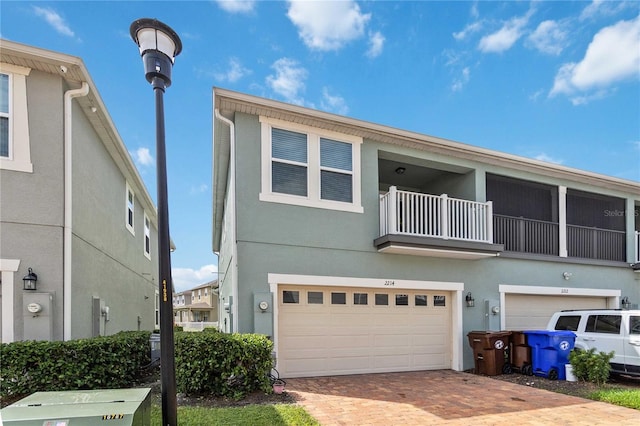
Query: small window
x=608, y=324
x=421, y=300
x=315, y=298
x=4, y=115
x=290, y=296
x=130, y=210
x=338, y=298
x=147, y=236
x=568, y=322
x=402, y=300
x=382, y=299
x=360, y=299
x=439, y=300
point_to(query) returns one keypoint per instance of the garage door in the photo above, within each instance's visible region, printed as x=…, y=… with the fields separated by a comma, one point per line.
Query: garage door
x=532, y=311
x=337, y=330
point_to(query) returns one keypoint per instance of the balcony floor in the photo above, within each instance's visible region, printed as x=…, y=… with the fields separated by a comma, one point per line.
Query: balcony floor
x=436, y=247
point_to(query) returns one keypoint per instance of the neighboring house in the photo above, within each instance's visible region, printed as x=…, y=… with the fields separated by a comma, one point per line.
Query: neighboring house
x=198, y=305
x=74, y=208
x=335, y=238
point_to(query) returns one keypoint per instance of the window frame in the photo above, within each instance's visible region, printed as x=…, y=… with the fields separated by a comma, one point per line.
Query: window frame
x=314, y=169
x=146, y=241
x=19, y=148
x=130, y=210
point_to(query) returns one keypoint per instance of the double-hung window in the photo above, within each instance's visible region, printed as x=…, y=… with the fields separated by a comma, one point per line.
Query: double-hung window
x=147, y=236
x=310, y=167
x=130, y=210
x=4, y=115
x=15, y=150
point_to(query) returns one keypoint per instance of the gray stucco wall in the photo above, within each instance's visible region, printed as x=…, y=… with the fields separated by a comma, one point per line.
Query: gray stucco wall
x=108, y=261
x=286, y=239
x=31, y=216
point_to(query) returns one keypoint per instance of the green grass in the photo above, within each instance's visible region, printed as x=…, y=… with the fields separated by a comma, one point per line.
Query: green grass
x=258, y=415
x=629, y=398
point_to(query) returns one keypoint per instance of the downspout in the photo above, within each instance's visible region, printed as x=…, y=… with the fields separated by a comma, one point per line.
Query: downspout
x=232, y=205
x=68, y=204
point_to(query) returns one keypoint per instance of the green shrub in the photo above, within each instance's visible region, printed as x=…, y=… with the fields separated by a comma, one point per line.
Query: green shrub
x=591, y=366
x=222, y=364
x=97, y=363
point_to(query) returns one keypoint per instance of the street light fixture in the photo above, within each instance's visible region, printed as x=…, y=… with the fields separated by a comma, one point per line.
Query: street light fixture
x=159, y=45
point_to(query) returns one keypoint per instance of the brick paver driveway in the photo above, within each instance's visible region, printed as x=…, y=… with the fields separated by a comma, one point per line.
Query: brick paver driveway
x=445, y=398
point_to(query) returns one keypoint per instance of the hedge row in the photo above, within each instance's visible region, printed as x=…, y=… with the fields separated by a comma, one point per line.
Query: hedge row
x=222, y=364
x=206, y=363
x=97, y=363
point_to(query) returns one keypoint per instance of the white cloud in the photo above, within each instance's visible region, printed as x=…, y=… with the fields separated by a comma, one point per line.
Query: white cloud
x=469, y=29
x=549, y=38
x=599, y=8
x=475, y=13
x=234, y=73
x=237, y=6
x=142, y=157
x=461, y=81
x=187, y=278
x=546, y=158
x=376, y=44
x=288, y=80
x=612, y=56
x=327, y=25
x=333, y=103
x=506, y=36
x=54, y=19
x=199, y=189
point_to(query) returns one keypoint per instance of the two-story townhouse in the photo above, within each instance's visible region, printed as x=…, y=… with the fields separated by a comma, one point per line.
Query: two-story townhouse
x=199, y=304
x=359, y=247
x=75, y=210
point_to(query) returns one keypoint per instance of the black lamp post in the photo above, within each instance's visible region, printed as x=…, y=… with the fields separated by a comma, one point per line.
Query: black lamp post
x=159, y=45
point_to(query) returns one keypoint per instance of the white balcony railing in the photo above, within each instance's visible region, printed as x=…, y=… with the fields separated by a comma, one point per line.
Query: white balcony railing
x=637, y=246
x=416, y=214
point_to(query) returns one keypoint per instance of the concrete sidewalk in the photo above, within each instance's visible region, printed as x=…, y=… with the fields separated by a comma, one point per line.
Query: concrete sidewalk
x=445, y=397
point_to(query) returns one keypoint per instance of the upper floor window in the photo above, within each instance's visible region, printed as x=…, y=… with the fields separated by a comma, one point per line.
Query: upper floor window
x=147, y=236
x=15, y=150
x=4, y=115
x=130, y=210
x=310, y=167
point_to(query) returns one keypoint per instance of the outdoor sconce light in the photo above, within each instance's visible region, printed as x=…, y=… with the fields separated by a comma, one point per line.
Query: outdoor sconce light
x=625, y=303
x=471, y=302
x=29, y=281
x=566, y=275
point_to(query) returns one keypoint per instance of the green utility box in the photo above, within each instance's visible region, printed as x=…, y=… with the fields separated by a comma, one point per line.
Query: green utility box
x=113, y=407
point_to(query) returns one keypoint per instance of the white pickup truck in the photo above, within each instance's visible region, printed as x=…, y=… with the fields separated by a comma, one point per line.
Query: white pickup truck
x=605, y=330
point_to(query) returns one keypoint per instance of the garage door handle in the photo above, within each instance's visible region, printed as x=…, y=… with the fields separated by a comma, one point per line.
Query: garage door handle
x=588, y=339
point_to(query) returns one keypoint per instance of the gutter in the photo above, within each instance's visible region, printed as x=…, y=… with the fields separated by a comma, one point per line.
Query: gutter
x=69, y=95
x=232, y=205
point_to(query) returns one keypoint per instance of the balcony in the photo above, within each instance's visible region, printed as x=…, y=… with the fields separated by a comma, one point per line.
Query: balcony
x=430, y=225
x=524, y=235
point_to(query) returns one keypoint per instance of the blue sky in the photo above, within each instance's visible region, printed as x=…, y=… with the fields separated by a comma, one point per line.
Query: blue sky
x=555, y=81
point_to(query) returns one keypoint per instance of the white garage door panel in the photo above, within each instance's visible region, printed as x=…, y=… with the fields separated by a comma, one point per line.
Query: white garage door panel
x=532, y=312
x=325, y=339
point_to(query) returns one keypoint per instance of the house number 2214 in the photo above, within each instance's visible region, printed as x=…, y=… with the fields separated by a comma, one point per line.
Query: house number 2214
x=389, y=283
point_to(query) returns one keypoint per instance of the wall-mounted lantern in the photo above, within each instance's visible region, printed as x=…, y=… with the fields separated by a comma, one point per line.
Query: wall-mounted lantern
x=625, y=303
x=471, y=302
x=29, y=281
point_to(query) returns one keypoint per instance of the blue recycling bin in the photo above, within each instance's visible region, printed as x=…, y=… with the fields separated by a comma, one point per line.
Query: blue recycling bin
x=550, y=352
